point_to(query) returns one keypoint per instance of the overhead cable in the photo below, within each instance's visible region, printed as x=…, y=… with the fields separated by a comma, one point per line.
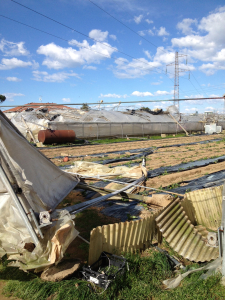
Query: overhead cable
x=122, y=102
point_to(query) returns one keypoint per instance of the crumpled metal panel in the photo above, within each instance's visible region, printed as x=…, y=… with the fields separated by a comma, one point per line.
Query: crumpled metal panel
x=182, y=236
x=204, y=207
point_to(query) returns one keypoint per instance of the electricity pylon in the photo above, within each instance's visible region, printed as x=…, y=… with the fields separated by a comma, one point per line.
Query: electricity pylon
x=176, y=77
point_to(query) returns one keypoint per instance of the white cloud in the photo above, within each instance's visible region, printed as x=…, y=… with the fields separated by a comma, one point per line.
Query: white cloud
x=165, y=39
x=12, y=63
x=55, y=77
x=163, y=93
x=10, y=96
x=13, y=49
x=67, y=100
x=113, y=96
x=193, y=109
x=140, y=43
x=209, y=108
x=98, y=35
x=138, y=19
x=208, y=44
x=133, y=69
x=149, y=21
x=185, y=25
x=162, y=31
x=214, y=95
x=58, y=57
x=142, y=32
x=156, y=83
x=113, y=37
x=211, y=68
x=89, y=67
x=164, y=56
x=141, y=94
x=150, y=32
x=13, y=79
x=146, y=52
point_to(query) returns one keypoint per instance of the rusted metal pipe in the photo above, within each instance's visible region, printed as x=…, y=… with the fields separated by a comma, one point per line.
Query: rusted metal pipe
x=56, y=136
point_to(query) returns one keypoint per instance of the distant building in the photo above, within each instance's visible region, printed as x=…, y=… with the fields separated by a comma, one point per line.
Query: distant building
x=37, y=106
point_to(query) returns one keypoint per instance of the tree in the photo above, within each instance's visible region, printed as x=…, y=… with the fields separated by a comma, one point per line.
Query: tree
x=2, y=98
x=145, y=108
x=85, y=106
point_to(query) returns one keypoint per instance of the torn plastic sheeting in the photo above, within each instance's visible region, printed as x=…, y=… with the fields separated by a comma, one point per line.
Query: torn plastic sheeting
x=103, y=154
x=182, y=236
x=136, y=150
x=120, y=209
x=94, y=169
x=132, y=157
x=214, y=179
x=57, y=237
x=212, y=268
x=188, y=144
x=186, y=166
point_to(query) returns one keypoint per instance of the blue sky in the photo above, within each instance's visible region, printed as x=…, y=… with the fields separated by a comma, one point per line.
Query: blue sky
x=112, y=61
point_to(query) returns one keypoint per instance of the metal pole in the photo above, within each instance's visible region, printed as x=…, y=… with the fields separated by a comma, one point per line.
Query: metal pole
x=105, y=197
x=18, y=205
x=222, y=227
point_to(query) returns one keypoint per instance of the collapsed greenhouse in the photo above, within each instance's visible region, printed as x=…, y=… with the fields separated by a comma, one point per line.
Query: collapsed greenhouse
x=96, y=123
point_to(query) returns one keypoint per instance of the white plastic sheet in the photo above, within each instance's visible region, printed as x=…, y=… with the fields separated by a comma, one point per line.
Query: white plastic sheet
x=43, y=187
x=94, y=169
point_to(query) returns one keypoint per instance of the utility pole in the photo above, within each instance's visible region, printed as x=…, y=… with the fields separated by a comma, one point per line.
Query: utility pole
x=176, y=77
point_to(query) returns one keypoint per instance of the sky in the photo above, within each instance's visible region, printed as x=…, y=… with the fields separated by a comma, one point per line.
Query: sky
x=85, y=51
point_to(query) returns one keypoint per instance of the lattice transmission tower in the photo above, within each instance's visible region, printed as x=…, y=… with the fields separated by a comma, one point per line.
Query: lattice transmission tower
x=176, y=77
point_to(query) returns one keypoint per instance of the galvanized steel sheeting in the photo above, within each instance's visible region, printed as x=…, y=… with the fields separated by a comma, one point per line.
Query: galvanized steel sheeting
x=182, y=236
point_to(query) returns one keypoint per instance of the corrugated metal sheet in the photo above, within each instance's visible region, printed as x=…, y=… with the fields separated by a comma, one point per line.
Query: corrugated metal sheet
x=122, y=237
x=182, y=236
x=204, y=207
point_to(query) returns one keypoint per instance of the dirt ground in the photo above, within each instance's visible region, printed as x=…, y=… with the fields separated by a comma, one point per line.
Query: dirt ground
x=94, y=149
x=163, y=157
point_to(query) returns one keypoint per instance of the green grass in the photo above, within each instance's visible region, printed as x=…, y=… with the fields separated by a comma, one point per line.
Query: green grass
x=142, y=281
x=118, y=140
x=115, y=140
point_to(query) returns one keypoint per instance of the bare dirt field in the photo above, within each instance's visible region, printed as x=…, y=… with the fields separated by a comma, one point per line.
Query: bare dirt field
x=162, y=157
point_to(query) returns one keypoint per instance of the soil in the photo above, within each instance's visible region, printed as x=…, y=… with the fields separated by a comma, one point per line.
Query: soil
x=160, y=158
x=94, y=149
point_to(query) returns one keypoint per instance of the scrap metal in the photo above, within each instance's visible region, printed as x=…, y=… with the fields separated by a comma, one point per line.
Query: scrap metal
x=186, y=239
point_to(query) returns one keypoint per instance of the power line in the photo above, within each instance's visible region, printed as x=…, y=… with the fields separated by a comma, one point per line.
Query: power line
x=107, y=45
x=141, y=68
x=123, y=24
x=117, y=102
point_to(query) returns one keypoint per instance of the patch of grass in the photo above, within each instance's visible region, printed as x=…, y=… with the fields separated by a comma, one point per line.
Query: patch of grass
x=115, y=140
x=165, y=173
x=142, y=281
x=76, y=142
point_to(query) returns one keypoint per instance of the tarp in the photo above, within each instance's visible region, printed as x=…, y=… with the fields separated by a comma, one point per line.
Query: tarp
x=44, y=180
x=42, y=187
x=94, y=169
